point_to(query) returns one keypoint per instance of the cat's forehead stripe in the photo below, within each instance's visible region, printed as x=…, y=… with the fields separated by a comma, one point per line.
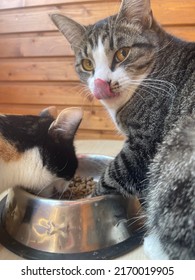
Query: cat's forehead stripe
x=85, y=51
x=99, y=30
x=91, y=43
x=99, y=55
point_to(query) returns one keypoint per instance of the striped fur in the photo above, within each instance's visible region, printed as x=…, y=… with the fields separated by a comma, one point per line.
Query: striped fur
x=155, y=110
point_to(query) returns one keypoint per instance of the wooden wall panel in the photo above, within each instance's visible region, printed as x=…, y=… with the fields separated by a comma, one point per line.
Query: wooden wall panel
x=157, y=5
x=37, y=19
x=37, y=64
x=8, y=4
x=57, y=93
x=54, y=44
x=38, y=69
x=34, y=45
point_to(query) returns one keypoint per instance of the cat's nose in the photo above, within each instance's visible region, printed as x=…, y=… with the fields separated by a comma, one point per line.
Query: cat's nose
x=112, y=84
x=102, y=89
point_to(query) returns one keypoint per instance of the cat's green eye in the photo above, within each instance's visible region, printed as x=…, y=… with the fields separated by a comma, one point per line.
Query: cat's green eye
x=87, y=64
x=121, y=54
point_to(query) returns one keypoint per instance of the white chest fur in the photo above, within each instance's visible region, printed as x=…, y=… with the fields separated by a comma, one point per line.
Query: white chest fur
x=27, y=171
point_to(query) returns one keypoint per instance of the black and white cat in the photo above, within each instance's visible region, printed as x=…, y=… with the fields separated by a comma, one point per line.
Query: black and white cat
x=36, y=151
x=145, y=78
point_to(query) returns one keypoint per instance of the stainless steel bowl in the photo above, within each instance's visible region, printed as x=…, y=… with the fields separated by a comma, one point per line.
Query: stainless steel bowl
x=84, y=228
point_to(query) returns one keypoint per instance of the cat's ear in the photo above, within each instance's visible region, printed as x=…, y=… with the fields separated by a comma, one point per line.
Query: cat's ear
x=66, y=124
x=72, y=30
x=49, y=112
x=136, y=11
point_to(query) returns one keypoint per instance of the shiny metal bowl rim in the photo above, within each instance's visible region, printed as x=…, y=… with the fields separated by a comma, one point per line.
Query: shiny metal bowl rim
x=73, y=201
x=66, y=201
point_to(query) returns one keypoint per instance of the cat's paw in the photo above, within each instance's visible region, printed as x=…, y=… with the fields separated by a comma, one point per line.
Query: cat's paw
x=101, y=190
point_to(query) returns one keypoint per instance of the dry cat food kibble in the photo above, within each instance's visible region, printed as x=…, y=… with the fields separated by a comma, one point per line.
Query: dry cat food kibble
x=79, y=187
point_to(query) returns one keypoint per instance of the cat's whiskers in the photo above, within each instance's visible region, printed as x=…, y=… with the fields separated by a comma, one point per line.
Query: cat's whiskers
x=156, y=88
x=79, y=88
x=145, y=91
x=59, y=170
x=41, y=190
x=162, y=82
x=128, y=85
x=148, y=88
x=63, y=191
x=169, y=84
x=154, y=85
x=139, y=219
x=163, y=69
x=164, y=47
x=86, y=94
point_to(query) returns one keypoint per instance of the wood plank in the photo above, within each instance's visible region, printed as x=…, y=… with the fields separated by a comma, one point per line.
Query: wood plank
x=169, y=12
x=95, y=118
x=11, y=4
x=54, y=44
x=39, y=45
x=37, y=19
x=183, y=32
x=156, y=4
x=98, y=134
x=59, y=93
x=38, y=69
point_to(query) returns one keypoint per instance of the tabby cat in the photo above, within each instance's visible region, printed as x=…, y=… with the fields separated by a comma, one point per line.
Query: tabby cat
x=145, y=78
x=36, y=151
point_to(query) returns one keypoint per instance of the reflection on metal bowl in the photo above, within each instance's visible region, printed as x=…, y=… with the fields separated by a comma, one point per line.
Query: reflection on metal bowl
x=84, y=228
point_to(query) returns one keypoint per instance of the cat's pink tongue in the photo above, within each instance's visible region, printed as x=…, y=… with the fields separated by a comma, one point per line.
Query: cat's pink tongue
x=102, y=90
